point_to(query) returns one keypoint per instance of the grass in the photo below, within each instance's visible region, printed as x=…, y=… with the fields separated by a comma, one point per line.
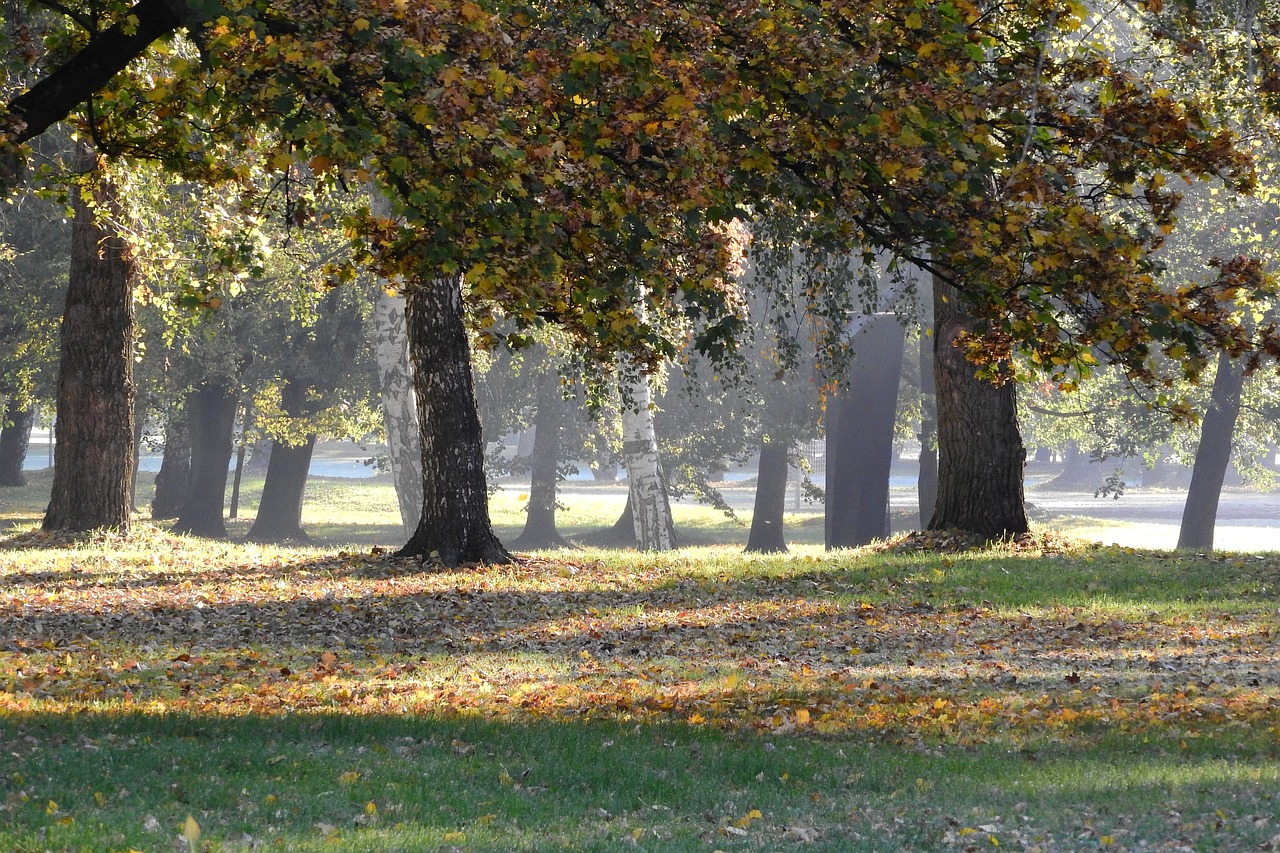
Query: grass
x=331, y=698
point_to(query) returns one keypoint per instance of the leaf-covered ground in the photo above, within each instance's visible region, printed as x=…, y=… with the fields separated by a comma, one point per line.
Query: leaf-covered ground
x=1021, y=653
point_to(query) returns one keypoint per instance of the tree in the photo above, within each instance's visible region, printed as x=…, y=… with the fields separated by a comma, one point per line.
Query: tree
x=980, y=452
x=544, y=464
x=1200, y=512
x=93, y=451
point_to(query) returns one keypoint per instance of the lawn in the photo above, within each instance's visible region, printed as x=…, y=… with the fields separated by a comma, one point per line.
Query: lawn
x=167, y=693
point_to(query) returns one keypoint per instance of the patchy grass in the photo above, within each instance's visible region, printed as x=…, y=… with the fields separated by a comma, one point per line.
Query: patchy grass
x=336, y=699
x=331, y=698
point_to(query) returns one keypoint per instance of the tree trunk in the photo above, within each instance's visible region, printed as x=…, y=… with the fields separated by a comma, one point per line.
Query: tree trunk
x=860, y=448
x=15, y=437
x=980, y=452
x=280, y=510
x=1213, y=454
x=1080, y=471
x=173, y=480
x=647, y=489
x=211, y=410
x=93, y=451
x=544, y=472
x=453, y=526
x=927, y=482
x=399, y=405
x=766, y=536
x=279, y=516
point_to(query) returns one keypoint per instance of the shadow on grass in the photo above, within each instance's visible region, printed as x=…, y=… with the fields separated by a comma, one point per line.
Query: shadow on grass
x=130, y=780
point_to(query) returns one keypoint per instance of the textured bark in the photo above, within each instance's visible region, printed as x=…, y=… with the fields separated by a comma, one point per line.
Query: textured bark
x=927, y=482
x=173, y=480
x=980, y=452
x=15, y=438
x=212, y=415
x=647, y=490
x=767, y=535
x=454, y=525
x=1213, y=455
x=399, y=405
x=279, y=516
x=860, y=448
x=93, y=433
x=544, y=472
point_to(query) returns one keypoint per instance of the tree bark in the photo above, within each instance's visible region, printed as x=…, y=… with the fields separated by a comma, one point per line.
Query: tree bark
x=15, y=438
x=399, y=405
x=1213, y=455
x=927, y=479
x=980, y=452
x=767, y=535
x=93, y=450
x=544, y=472
x=279, y=516
x=173, y=480
x=647, y=489
x=280, y=510
x=860, y=449
x=212, y=415
x=453, y=526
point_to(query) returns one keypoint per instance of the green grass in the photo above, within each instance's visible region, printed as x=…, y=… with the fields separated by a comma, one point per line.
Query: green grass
x=328, y=699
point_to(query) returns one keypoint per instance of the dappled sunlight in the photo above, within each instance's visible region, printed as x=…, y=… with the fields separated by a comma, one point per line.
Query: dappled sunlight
x=812, y=642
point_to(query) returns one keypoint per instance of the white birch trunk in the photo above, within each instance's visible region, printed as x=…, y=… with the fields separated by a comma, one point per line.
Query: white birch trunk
x=651, y=511
x=399, y=405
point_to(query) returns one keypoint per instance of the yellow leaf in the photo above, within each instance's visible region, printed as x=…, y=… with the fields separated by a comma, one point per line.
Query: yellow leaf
x=754, y=814
x=914, y=21
x=522, y=497
x=732, y=680
x=360, y=24
x=52, y=808
x=349, y=777
x=454, y=837
x=370, y=808
x=191, y=832
x=486, y=819
x=802, y=717
x=470, y=11
x=282, y=161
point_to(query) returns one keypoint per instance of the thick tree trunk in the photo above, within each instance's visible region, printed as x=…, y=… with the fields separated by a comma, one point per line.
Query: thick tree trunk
x=927, y=482
x=93, y=450
x=454, y=526
x=173, y=480
x=544, y=472
x=767, y=535
x=211, y=414
x=15, y=438
x=860, y=448
x=279, y=516
x=399, y=405
x=980, y=452
x=280, y=511
x=1213, y=455
x=647, y=489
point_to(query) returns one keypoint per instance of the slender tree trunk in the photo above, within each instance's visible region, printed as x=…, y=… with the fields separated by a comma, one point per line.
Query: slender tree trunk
x=980, y=452
x=647, y=491
x=860, y=450
x=927, y=482
x=454, y=526
x=93, y=456
x=767, y=534
x=544, y=473
x=399, y=405
x=173, y=480
x=139, y=427
x=1213, y=455
x=1080, y=472
x=15, y=438
x=279, y=516
x=212, y=416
